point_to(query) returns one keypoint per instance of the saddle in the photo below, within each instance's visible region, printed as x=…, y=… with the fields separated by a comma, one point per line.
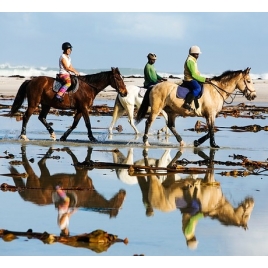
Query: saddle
x=58, y=84
x=182, y=91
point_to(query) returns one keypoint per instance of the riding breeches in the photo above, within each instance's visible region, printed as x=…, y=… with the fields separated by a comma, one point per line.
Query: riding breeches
x=194, y=87
x=67, y=82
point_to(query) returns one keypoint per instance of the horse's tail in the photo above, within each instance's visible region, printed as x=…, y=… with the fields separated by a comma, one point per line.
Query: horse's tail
x=144, y=107
x=20, y=97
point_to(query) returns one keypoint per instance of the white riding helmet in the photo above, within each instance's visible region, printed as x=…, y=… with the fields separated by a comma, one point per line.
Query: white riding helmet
x=195, y=49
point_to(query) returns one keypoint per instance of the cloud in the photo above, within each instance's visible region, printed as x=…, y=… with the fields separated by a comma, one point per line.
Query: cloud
x=147, y=25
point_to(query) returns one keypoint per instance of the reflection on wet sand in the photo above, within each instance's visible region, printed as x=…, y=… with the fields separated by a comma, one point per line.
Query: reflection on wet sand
x=79, y=188
x=123, y=174
x=196, y=198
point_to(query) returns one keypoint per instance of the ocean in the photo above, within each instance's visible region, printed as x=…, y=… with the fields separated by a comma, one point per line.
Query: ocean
x=27, y=71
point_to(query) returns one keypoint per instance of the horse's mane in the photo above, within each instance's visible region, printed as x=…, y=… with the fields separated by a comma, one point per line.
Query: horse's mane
x=227, y=75
x=91, y=78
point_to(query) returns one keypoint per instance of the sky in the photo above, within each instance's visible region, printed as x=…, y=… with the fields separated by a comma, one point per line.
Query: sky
x=120, y=34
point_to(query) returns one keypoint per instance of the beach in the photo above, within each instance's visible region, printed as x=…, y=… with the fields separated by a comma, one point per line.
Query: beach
x=130, y=205
x=10, y=85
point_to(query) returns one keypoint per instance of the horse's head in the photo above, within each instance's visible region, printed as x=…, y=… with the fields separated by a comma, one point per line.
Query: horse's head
x=245, y=85
x=118, y=83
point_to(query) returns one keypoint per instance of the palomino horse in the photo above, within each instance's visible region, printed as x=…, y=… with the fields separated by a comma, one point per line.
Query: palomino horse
x=196, y=198
x=163, y=97
x=39, y=91
x=127, y=104
x=39, y=189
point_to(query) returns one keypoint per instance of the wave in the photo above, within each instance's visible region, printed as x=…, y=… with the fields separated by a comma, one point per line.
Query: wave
x=27, y=71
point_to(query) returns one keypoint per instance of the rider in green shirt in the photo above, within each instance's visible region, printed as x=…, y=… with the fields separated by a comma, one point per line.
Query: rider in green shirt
x=151, y=77
x=192, y=78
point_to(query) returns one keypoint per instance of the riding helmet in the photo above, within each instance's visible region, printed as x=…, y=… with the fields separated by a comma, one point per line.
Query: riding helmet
x=195, y=50
x=151, y=56
x=66, y=45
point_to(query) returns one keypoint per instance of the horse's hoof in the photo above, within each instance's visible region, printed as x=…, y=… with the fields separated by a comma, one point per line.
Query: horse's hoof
x=62, y=139
x=182, y=144
x=146, y=143
x=24, y=137
x=215, y=146
x=92, y=139
x=196, y=143
x=53, y=136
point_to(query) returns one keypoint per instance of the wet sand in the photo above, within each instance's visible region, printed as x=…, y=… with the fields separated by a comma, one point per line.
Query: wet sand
x=146, y=232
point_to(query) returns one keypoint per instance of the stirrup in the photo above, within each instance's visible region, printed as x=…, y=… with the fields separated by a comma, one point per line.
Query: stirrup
x=58, y=98
x=187, y=106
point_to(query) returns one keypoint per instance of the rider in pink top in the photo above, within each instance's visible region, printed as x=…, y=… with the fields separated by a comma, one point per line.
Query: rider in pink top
x=65, y=69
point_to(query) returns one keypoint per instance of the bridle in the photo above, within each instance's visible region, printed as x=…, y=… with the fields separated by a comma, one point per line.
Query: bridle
x=90, y=85
x=117, y=85
x=246, y=92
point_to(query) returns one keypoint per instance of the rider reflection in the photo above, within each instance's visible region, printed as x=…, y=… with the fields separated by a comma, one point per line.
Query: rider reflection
x=65, y=203
x=196, y=198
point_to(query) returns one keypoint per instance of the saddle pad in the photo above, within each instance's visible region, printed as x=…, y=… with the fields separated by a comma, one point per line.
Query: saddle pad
x=182, y=92
x=56, y=86
x=142, y=92
x=73, y=88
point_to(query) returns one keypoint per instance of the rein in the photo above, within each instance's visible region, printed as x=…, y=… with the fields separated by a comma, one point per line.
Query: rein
x=230, y=94
x=90, y=85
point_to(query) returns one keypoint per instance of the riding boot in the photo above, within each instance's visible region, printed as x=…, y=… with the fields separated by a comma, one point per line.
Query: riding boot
x=58, y=98
x=188, y=100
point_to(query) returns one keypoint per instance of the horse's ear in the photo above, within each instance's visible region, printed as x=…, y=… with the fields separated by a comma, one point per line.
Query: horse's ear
x=248, y=70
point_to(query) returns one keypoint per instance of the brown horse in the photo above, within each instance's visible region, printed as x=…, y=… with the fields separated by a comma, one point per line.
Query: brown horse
x=39, y=91
x=39, y=189
x=163, y=97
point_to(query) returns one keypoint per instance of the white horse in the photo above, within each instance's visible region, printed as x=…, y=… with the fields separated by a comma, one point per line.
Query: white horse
x=127, y=104
x=123, y=174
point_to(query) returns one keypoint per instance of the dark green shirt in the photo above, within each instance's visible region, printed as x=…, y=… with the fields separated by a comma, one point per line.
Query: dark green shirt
x=150, y=74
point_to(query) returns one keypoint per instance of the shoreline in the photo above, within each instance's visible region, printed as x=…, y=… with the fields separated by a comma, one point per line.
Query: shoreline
x=10, y=85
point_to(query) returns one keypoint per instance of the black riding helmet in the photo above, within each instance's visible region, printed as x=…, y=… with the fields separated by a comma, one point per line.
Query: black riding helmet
x=66, y=45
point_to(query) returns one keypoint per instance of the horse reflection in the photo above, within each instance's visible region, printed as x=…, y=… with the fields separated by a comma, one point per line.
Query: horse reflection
x=122, y=173
x=41, y=190
x=196, y=199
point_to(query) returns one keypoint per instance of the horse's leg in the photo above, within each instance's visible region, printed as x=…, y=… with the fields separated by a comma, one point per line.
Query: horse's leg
x=148, y=124
x=130, y=112
x=25, y=121
x=118, y=111
x=42, y=117
x=88, y=125
x=201, y=140
x=210, y=123
x=165, y=128
x=212, y=138
x=77, y=118
x=171, y=126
